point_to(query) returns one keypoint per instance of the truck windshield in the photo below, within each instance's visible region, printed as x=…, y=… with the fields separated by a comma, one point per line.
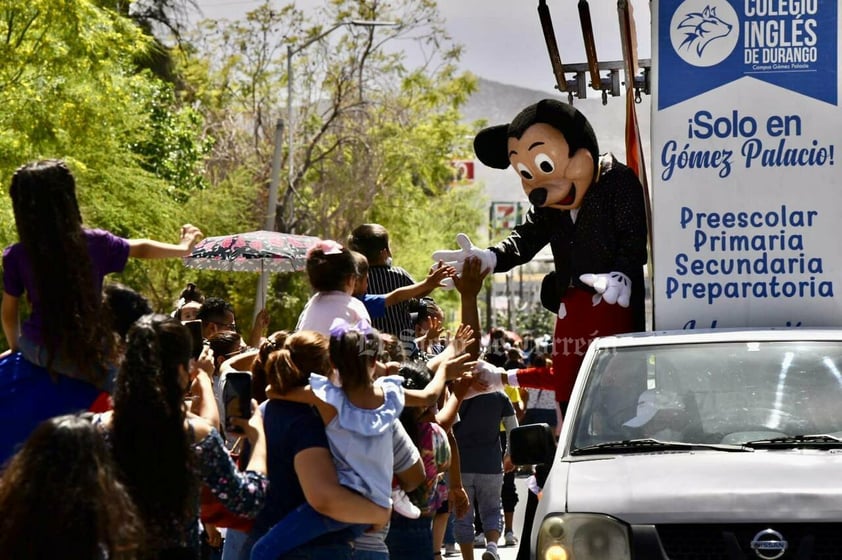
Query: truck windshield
x=712, y=393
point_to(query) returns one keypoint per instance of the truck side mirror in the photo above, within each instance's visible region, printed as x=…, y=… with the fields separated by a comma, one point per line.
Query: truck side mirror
x=532, y=444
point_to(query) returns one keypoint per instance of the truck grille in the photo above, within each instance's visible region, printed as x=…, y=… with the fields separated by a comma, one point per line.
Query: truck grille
x=807, y=541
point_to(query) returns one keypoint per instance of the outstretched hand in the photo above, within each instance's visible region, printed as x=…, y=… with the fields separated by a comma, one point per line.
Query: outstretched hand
x=190, y=236
x=457, y=258
x=469, y=283
x=455, y=367
x=463, y=338
x=438, y=274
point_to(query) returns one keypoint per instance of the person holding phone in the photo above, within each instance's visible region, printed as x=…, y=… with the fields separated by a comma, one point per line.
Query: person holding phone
x=164, y=453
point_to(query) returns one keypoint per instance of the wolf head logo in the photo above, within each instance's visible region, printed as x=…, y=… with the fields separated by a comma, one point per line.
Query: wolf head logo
x=701, y=28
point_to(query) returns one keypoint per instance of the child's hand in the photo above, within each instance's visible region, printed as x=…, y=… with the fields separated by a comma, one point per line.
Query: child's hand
x=455, y=367
x=190, y=236
x=469, y=383
x=463, y=338
x=385, y=368
x=437, y=275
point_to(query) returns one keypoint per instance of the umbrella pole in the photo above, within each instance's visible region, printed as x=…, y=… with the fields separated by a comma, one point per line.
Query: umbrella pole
x=262, y=289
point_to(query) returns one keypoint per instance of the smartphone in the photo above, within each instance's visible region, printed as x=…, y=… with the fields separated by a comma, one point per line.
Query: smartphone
x=195, y=328
x=236, y=397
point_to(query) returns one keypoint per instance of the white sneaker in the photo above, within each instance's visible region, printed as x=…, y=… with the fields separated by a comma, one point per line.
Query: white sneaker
x=490, y=555
x=450, y=549
x=402, y=505
x=479, y=540
x=511, y=539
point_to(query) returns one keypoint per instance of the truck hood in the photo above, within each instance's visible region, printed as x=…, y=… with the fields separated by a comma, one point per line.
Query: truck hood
x=699, y=487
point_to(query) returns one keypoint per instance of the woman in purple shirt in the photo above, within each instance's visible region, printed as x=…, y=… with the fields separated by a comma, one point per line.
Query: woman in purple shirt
x=60, y=267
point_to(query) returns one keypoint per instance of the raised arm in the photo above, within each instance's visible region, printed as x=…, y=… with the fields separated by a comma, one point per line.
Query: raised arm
x=258, y=329
x=151, y=249
x=469, y=285
x=204, y=402
x=429, y=395
x=420, y=289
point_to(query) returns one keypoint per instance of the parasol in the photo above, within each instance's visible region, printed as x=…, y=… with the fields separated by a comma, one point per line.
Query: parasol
x=255, y=251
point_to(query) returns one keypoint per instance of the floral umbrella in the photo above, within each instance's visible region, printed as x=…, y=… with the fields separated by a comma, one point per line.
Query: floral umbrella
x=255, y=251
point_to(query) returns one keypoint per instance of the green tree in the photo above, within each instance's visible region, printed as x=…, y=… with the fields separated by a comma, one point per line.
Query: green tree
x=71, y=88
x=374, y=140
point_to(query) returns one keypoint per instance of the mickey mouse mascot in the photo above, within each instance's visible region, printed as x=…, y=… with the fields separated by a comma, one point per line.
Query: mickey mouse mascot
x=590, y=209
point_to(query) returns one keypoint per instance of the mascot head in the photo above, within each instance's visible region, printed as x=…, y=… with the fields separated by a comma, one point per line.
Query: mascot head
x=552, y=147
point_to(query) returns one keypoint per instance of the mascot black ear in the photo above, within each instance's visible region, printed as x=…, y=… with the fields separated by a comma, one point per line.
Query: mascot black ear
x=491, y=146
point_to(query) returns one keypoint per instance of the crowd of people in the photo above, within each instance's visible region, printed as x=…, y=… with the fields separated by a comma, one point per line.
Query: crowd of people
x=365, y=432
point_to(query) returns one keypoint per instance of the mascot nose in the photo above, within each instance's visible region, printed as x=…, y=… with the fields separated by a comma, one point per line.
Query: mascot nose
x=538, y=197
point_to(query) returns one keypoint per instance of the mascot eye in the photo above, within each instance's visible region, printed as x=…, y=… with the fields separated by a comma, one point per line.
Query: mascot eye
x=544, y=163
x=524, y=171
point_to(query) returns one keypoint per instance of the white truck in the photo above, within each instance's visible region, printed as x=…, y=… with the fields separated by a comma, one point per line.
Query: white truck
x=718, y=444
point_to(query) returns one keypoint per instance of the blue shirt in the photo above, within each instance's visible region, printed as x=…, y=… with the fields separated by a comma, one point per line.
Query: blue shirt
x=290, y=428
x=375, y=304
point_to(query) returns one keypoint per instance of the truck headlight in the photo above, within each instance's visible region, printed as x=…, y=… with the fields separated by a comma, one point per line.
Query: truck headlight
x=582, y=537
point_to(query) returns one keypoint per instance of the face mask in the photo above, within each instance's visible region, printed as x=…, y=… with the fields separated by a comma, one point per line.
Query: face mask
x=389, y=261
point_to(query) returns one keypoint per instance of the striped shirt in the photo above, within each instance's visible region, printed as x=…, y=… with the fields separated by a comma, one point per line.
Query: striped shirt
x=382, y=280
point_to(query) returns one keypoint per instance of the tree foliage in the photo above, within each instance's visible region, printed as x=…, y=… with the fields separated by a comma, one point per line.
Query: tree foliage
x=374, y=140
x=71, y=88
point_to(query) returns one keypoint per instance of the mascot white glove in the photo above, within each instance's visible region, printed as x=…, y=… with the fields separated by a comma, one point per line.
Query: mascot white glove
x=487, y=379
x=456, y=259
x=489, y=374
x=613, y=287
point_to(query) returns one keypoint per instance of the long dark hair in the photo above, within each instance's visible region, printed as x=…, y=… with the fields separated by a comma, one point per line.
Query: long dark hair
x=49, y=227
x=60, y=497
x=150, y=443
